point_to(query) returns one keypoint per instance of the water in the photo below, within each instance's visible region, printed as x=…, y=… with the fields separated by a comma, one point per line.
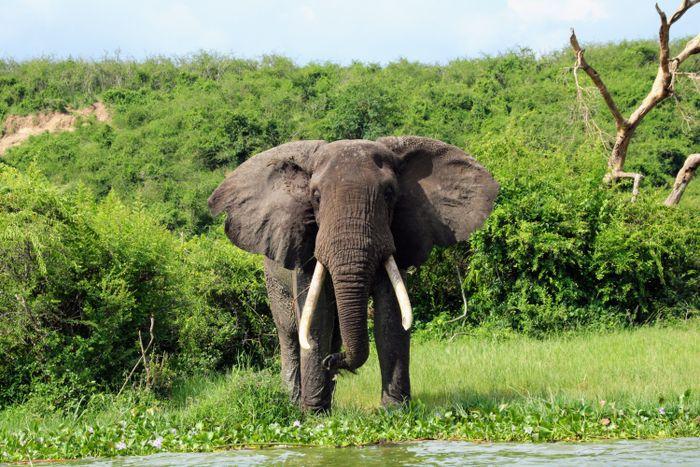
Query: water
x=673, y=451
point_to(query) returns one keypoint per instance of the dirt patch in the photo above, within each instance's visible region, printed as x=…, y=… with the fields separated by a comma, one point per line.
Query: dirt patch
x=17, y=129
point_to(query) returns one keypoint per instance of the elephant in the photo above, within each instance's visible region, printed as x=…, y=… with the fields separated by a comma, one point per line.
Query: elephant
x=358, y=212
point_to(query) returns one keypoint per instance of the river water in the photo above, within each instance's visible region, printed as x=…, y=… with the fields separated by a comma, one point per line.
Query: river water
x=638, y=453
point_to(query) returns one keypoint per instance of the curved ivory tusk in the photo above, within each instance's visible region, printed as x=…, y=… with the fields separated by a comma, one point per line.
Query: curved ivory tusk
x=401, y=293
x=310, y=305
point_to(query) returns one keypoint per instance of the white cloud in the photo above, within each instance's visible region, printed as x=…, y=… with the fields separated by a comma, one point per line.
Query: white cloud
x=535, y=11
x=308, y=13
x=178, y=28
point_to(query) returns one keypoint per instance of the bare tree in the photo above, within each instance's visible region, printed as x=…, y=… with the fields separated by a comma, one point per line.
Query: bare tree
x=685, y=175
x=662, y=88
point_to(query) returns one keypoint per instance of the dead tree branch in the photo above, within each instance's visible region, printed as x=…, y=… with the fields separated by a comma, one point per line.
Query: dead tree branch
x=144, y=353
x=662, y=88
x=581, y=63
x=464, y=298
x=142, y=358
x=592, y=126
x=685, y=6
x=685, y=175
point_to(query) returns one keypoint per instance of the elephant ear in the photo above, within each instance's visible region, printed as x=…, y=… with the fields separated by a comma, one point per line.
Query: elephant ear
x=268, y=205
x=445, y=195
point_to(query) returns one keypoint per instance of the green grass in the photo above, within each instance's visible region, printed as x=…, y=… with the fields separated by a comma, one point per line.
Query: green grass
x=627, y=384
x=634, y=366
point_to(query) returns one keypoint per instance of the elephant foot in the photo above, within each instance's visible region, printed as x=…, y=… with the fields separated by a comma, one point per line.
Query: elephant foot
x=396, y=401
x=319, y=403
x=317, y=410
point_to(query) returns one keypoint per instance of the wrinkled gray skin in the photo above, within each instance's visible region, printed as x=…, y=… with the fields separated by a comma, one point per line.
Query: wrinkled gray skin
x=349, y=204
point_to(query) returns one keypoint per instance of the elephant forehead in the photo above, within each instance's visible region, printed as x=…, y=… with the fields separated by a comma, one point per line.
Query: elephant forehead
x=356, y=153
x=353, y=149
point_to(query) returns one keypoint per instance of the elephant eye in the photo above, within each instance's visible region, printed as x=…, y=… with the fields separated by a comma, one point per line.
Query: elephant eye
x=389, y=194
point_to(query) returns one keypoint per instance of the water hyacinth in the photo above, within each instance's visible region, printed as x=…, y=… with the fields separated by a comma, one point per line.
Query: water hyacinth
x=157, y=443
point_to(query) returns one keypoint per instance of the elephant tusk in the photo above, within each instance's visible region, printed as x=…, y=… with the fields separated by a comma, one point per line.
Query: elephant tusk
x=310, y=305
x=401, y=293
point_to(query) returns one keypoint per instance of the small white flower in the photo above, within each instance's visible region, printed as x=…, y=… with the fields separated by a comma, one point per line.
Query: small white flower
x=120, y=446
x=157, y=443
x=662, y=411
x=296, y=424
x=90, y=430
x=173, y=431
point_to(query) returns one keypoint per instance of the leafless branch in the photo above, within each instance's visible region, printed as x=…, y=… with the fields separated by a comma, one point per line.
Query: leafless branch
x=685, y=6
x=597, y=80
x=688, y=119
x=636, y=177
x=589, y=122
x=142, y=357
x=464, y=298
x=685, y=175
x=691, y=48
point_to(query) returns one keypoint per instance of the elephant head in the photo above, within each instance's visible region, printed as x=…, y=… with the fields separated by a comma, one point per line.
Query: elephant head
x=354, y=205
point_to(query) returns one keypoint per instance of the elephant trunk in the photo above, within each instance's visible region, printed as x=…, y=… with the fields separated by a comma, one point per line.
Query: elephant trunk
x=351, y=294
x=351, y=255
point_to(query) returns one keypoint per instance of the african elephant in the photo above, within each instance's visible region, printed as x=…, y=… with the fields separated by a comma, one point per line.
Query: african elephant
x=343, y=209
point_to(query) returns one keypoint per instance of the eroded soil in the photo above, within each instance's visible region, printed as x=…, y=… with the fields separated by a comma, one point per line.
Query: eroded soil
x=19, y=128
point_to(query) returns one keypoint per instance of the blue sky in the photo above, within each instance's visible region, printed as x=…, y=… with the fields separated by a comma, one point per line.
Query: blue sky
x=316, y=30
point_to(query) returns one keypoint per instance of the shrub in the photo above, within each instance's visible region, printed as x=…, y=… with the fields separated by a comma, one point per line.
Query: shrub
x=232, y=321
x=81, y=277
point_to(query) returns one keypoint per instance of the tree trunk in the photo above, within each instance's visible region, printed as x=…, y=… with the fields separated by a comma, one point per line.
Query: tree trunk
x=685, y=175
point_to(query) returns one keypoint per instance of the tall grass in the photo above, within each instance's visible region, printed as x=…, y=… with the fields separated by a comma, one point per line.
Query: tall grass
x=637, y=367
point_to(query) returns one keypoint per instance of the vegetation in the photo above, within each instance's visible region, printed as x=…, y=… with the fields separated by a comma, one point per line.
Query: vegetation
x=629, y=384
x=105, y=228
x=80, y=278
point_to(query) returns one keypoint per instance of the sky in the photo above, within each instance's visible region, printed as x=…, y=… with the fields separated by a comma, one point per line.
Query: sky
x=433, y=31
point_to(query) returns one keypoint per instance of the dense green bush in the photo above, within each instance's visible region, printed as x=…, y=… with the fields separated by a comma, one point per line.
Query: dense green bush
x=232, y=322
x=560, y=251
x=80, y=278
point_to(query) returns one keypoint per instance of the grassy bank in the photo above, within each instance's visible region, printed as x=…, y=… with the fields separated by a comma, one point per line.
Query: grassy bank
x=627, y=384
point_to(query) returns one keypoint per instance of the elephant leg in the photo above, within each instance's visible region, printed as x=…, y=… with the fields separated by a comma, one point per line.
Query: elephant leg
x=392, y=341
x=317, y=383
x=279, y=290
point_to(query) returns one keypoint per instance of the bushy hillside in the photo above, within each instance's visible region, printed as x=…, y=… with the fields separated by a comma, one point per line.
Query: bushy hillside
x=105, y=226
x=180, y=124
